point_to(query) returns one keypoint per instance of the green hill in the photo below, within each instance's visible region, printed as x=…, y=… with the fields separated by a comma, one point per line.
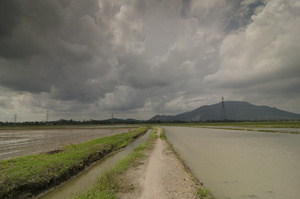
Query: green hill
x=235, y=110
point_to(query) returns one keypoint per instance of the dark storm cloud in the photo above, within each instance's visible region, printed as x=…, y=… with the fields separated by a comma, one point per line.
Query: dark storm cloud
x=51, y=45
x=145, y=57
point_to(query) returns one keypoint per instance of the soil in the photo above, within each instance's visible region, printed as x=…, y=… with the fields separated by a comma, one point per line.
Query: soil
x=160, y=176
x=14, y=143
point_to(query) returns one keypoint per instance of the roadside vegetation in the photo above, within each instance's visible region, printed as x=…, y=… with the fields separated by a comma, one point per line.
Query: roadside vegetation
x=111, y=182
x=246, y=126
x=250, y=124
x=25, y=176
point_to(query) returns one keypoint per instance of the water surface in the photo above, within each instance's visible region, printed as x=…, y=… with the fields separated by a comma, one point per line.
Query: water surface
x=85, y=180
x=241, y=164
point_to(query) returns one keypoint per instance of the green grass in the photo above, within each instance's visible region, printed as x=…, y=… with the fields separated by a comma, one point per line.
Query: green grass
x=203, y=193
x=153, y=135
x=163, y=135
x=246, y=126
x=21, y=177
x=112, y=181
x=271, y=124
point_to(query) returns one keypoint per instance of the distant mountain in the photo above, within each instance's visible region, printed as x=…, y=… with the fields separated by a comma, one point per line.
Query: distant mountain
x=235, y=110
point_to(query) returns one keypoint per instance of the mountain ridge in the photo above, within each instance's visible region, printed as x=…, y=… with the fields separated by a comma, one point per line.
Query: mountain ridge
x=235, y=110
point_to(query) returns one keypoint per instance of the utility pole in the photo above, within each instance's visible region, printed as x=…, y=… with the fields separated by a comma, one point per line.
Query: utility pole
x=15, y=118
x=223, y=110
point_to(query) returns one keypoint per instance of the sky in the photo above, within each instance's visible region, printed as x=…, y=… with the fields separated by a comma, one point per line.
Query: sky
x=87, y=59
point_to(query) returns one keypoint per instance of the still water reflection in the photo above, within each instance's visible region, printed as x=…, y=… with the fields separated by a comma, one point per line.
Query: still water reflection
x=241, y=164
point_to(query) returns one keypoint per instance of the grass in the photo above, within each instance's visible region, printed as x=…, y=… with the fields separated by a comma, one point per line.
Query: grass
x=203, y=193
x=112, y=181
x=246, y=126
x=271, y=124
x=23, y=176
x=163, y=135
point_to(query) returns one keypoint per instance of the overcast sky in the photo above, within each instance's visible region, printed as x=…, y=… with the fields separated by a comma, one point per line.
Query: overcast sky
x=84, y=59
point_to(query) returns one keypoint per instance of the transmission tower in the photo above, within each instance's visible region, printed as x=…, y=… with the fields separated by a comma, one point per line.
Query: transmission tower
x=15, y=118
x=224, y=118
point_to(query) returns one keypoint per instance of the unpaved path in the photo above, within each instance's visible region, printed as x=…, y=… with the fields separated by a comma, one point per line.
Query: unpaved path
x=160, y=176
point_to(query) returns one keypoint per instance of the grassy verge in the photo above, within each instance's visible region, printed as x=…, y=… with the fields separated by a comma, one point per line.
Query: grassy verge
x=271, y=124
x=111, y=182
x=201, y=192
x=246, y=126
x=24, y=176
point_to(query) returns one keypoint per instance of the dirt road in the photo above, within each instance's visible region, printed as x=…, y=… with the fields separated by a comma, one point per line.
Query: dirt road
x=160, y=176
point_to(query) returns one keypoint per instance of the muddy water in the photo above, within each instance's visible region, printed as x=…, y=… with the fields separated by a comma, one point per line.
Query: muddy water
x=85, y=180
x=241, y=164
x=283, y=130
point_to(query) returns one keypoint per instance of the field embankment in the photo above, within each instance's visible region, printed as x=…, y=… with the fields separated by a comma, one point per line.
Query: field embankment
x=26, y=176
x=152, y=170
x=292, y=127
x=21, y=142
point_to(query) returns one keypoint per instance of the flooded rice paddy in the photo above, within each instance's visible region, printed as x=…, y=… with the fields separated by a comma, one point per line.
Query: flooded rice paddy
x=241, y=164
x=14, y=143
x=278, y=130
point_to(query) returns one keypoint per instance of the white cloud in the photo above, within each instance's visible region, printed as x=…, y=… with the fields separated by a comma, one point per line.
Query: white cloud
x=263, y=50
x=262, y=57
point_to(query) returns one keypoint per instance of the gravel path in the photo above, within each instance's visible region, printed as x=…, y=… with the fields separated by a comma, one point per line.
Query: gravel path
x=160, y=176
